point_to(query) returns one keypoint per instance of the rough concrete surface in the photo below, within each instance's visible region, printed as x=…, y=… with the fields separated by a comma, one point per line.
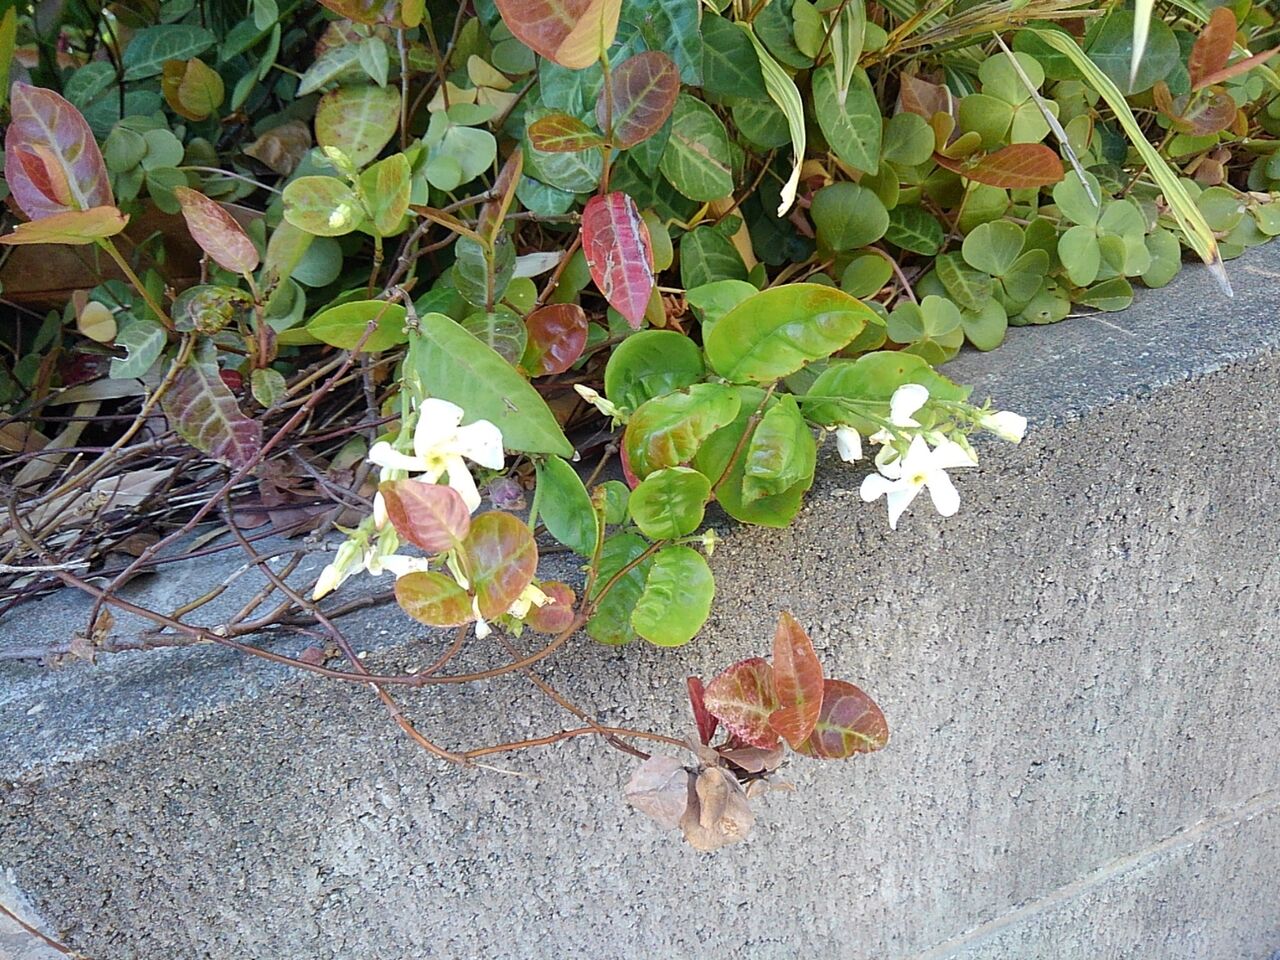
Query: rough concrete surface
x=1078, y=670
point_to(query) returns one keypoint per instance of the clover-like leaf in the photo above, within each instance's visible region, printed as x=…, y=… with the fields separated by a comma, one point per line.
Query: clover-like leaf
x=216, y=232
x=849, y=722
x=501, y=558
x=743, y=698
x=615, y=240
x=431, y=516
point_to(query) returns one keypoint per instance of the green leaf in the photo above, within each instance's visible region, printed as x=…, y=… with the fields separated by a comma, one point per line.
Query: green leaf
x=729, y=65
x=677, y=596
x=970, y=288
x=448, y=362
x=500, y=329
x=672, y=27
x=908, y=140
x=780, y=454
x=697, y=160
x=565, y=506
x=322, y=206
x=783, y=91
x=344, y=325
x=151, y=47
x=358, y=120
x=386, y=186
x=711, y=301
x=144, y=339
x=914, y=229
x=668, y=430
x=611, y=623
x=1109, y=295
x=669, y=503
x=993, y=247
x=649, y=364
x=482, y=273
x=848, y=216
x=985, y=328
x=867, y=384
x=779, y=330
x=1111, y=47
x=707, y=255
x=866, y=275
x=1079, y=253
x=853, y=130
x=434, y=599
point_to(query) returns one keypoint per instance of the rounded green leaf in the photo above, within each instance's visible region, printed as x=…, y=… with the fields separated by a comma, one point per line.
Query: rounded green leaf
x=866, y=275
x=358, y=120
x=779, y=330
x=434, y=599
x=914, y=229
x=993, y=247
x=868, y=383
x=780, y=454
x=611, y=622
x=677, y=597
x=650, y=363
x=323, y=206
x=848, y=216
x=1078, y=250
x=670, y=503
x=668, y=430
x=985, y=328
x=565, y=507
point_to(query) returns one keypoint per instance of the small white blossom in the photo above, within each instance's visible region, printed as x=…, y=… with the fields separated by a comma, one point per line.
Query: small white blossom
x=900, y=481
x=903, y=405
x=442, y=446
x=400, y=565
x=849, y=444
x=1005, y=424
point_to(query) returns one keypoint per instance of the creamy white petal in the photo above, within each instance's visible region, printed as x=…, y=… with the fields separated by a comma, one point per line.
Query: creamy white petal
x=328, y=581
x=481, y=442
x=461, y=480
x=379, y=511
x=849, y=444
x=385, y=455
x=1006, y=425
x=899, y=498
x=919, y=459
x=906, y=400
x=949, y=455
x=437, y=425
x=875, y=486
x=943, y=493
x=400, y=565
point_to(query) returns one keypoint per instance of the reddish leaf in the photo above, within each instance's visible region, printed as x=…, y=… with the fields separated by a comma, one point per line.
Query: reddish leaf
x=429, y=515
x=500, y=557
x=386, y=12
x=557, y=337
x=615, y=240
x=1015, y=167
x=561, y=133
x=1213, y=47
x=1211, y=115
x=797, y=681
x=644, y=88
x=203, y=411
x=75, y=227
x=1237, y=68
x=216, y=232
x=494, y=212
x=556, y=616
x=742, y=698
x=924, y=98
x=52, y=162
x=433, y=599
x=573, y=33
x=850, y=722
x=701, y=716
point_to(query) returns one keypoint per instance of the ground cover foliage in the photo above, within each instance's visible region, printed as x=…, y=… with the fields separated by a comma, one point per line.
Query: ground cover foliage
x=469, y=284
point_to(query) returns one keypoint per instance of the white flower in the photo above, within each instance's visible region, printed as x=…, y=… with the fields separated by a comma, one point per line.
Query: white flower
x=400, y=565
x=442, y=446
x=900, y=481
x=345, y=562
x=904, y=403
x=849, y=444
x=597, y=401
x=1005, y=424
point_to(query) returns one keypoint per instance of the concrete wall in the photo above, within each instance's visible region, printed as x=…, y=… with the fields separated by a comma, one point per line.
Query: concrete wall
x=1079, y=671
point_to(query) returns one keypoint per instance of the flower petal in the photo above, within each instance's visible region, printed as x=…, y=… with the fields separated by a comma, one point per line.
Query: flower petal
x=875, y=486
x=385, y=455
x=849, y=444
x=461, y=480
x=899, y=498
x=437, y=426
x=943, y=493
x=481, y=442
x=906, y=400
x=949, y=455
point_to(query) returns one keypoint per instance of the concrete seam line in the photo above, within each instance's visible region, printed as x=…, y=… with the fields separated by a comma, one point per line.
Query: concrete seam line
x=1241, y=813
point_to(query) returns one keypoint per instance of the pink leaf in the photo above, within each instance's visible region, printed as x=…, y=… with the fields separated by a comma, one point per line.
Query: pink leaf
x=616, y=243
x=743, y=698
x=701, y=715
x=849, y=723
x=429, y=515
x=557, y=337
x=217, y=232
x=797, y=680
x=203, y=411
x=52, y=162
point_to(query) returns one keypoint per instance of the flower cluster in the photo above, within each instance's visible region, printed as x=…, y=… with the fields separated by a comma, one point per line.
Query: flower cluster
x=913, y=458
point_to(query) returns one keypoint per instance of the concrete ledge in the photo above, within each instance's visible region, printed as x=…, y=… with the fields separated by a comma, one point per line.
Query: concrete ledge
x=1078, y=670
